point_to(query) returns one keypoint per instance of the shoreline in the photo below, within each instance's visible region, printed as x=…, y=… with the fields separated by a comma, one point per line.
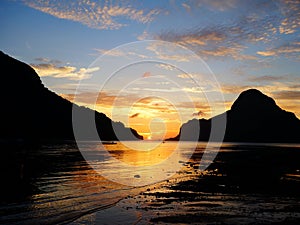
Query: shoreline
x=180, y=204
x=173, y=203
x=240, y=187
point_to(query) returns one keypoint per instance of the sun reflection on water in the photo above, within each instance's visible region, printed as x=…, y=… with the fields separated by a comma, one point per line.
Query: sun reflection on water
x=148, y=153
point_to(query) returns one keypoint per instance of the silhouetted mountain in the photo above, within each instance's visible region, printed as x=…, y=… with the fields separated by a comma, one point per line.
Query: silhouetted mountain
x=29, y=111
x=253, y=117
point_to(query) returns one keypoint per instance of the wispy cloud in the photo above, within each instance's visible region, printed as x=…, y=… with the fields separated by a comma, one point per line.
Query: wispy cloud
x=263, y=22
x=288, y=50
x=194, y=37
x=95, y=14
x=184, y=76
x=68, y=72
x=186, y=6
x=219, y=5
x=169, y=52
x=290, y=95
x=167, y=67
x=46, y=60
x=234, y=51
x=112, y=52
x=213, y=5
x=123, y=52
x=286, y=94
x=105, y=99
x=209, y=42
x=291, y=20
x=149, y=105
x=265, y=78
x=234, y=89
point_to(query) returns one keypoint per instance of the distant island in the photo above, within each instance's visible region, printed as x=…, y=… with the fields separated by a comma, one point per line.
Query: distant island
x=253, y=117
x=30, y=111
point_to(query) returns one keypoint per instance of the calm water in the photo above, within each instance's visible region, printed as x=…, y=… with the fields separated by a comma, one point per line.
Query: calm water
x=53, y=184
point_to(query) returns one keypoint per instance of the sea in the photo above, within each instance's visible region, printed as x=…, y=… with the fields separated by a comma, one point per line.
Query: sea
x=55, y=183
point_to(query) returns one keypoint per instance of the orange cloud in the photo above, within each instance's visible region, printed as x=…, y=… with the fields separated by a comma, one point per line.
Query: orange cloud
x=86, y=98
x=147, y=74
x=68, y=72
x=266, y=53
x=289, y=95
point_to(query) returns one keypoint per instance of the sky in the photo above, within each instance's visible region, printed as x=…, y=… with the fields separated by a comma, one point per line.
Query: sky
x=154, y=65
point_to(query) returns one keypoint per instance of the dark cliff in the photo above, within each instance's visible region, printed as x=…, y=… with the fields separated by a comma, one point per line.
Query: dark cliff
x=253, y=117
x=32, y=112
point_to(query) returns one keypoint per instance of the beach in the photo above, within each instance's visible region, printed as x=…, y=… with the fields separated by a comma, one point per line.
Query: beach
x=245, y=184
x=212, y=197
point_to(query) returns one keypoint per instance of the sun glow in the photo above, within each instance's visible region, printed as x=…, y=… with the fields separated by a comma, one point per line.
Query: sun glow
x=154, y=118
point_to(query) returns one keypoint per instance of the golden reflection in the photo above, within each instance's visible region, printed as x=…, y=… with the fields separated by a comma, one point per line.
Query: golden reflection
x=152, y=152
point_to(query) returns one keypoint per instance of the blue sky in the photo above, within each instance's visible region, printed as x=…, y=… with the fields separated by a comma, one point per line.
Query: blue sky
x=246, y=44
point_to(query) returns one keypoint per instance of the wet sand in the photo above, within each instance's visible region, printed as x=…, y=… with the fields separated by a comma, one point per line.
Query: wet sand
x=253, y=188
x=184, y=204
x=188, y=202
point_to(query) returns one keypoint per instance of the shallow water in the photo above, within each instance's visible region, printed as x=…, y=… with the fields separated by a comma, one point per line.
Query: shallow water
x=53, y=184
x=57, y=185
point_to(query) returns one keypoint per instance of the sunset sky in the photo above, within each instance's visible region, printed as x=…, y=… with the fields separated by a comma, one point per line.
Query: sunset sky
x=243, y=44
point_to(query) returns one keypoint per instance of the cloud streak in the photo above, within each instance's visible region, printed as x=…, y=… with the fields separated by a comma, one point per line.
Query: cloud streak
x=68, y=72
x=262, y=23
x=95, y=14
x=288, y=50
x=134, y=115
x=265, y=79
x=287, y=95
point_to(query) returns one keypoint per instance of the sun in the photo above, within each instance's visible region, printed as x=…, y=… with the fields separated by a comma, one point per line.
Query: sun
x=149, y=138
